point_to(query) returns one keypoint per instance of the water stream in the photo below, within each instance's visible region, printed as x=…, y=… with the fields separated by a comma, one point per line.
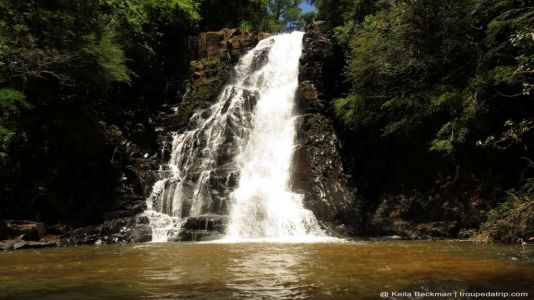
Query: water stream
x=236, y=157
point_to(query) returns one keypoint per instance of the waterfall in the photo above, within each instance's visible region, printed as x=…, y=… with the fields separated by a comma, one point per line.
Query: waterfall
x=235, y=160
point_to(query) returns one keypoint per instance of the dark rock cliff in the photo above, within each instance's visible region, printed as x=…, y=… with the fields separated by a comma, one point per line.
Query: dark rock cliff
x=318, y=170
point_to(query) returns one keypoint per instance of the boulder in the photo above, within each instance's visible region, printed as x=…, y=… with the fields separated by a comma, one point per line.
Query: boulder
x=203, y=228
x=25, y=230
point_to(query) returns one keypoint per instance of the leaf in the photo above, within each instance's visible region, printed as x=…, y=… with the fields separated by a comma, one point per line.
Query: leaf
x=11, y=99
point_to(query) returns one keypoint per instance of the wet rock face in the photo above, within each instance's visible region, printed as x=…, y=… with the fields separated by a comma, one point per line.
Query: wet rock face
x=317, y=169
x=321, y=64
x=134, y=229
x=215, y=54
x=203, y=228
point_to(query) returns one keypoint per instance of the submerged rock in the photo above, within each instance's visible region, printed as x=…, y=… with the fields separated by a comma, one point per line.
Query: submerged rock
x=46, y=242
x=33, y=245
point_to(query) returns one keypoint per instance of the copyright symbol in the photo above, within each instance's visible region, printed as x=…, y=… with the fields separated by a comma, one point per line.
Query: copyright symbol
x=384, y=294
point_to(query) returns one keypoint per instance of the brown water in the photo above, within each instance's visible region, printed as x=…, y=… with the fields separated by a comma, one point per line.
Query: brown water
x=263, y=271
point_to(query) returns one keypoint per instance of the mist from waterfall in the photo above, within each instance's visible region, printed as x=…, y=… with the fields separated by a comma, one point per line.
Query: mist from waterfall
x=236, y=158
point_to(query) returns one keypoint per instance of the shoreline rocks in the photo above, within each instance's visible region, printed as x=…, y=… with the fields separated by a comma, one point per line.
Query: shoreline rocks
x=26, y=234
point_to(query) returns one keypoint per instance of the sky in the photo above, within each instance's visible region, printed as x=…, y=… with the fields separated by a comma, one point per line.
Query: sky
x=306, y=7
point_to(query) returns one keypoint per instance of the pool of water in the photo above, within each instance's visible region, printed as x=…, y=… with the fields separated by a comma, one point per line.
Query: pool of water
x=350, y=270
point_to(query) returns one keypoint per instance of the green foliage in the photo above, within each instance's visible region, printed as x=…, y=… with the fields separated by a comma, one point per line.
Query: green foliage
x=137, y=13
x=465, y=233
x=246, y=26
x=210, y=63
x=307, y=18
x=109, y=57
x=512, y=218
x=260, y=15
x=230, y=14
x=141, y=22
x=439, y=87
x=11, y=101
x=423, y=65
x=85, y=43
x=286, y=14
x=355, y=111
x=343, y=34
x=341, y=12
x=345, y=108
x=70, y=42
x=60, y=51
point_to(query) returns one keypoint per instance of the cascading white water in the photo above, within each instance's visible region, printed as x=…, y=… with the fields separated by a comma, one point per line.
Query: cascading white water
x=247, y=134
x=263, y=205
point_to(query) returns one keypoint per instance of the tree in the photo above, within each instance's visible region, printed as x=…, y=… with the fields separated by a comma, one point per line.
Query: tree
x=230, y=14
x=64, y=64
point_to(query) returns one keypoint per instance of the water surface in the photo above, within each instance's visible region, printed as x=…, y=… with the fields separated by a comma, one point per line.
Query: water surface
x=262, y=270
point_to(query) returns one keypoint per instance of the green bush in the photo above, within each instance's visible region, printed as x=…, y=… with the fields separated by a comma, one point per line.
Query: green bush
x=465, y=233
x=245, y=25
x=423, y=64
x=511, y=219
x=11, y=102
